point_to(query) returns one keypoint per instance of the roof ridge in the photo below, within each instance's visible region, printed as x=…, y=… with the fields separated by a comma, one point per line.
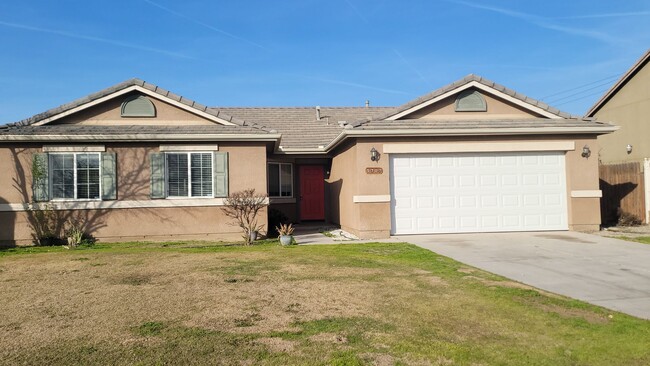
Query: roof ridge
x=489, y=83
x=640, y=62
x=123, y=85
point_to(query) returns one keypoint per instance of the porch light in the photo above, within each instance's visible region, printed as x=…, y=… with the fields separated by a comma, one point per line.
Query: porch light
x=374, y=154
x=586, y=151
x=628, y=148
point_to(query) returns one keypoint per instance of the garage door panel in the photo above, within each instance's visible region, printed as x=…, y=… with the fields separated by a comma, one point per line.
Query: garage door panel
x=478, y=192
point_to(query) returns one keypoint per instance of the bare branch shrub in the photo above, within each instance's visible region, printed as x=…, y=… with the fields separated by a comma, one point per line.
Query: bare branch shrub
x=243, y=207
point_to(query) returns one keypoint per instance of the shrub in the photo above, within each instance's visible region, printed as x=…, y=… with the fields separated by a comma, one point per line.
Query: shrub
x=628, y=219
x=243, y=207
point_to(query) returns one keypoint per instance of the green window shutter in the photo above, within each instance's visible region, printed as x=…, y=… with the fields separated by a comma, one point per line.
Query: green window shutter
x=109, y=176
x=220, y=173
x=40, y=177
x=157, y=175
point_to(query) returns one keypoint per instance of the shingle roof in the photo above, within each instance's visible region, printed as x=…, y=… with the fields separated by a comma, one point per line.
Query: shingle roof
x=126, y=84
x=298, y=125
x=472, y=77
x=629, y=74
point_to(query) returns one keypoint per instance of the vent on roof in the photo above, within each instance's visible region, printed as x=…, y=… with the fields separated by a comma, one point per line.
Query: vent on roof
x=138, y=106
x=470, y=101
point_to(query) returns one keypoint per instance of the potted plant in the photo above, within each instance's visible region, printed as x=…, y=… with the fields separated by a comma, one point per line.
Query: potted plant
x=285, y=231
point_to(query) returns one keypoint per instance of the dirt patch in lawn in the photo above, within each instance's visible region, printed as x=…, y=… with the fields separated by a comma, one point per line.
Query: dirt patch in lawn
x=276, y=344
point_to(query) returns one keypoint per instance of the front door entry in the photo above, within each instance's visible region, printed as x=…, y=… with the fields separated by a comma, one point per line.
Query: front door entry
x=312, y=192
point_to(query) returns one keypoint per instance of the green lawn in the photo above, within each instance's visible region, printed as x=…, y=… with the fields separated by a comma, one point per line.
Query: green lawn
x=638, y=239
x=210, y=303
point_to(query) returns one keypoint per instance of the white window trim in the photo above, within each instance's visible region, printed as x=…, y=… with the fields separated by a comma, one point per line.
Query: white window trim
x=74, y=177
x=189, y=175
x=184, y=148
x=268, y=183
x=68, y=149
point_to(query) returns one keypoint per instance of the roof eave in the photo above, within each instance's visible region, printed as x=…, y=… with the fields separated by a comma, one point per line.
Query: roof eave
x=144, y=137
x=590, y=130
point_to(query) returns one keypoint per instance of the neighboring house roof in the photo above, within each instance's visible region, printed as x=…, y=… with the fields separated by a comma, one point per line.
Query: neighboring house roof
x=619, y=84
x=475, y=80
x=298, y=125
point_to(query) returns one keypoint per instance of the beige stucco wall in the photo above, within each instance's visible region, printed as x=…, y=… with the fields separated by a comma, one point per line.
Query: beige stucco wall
x=373, y=220
x=247, y=169
x=496, y=108
x=108, y=113
x=630, y=109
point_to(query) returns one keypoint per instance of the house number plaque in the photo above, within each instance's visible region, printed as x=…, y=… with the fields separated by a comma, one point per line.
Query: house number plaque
x=374, y=171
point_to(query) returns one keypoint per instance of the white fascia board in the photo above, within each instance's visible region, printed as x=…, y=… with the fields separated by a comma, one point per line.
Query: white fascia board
x=470, y=132
x=485, y=88
x=143, y=91
x=482, y=146
x=143, y=137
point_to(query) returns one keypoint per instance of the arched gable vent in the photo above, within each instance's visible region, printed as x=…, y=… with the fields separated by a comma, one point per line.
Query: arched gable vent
x=470, y=101
x=138, y=106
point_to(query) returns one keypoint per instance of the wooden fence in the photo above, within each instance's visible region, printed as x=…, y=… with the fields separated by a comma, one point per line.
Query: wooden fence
x=623, y=191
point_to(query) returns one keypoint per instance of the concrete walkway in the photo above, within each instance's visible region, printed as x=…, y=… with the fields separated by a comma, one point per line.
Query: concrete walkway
x=604, y=271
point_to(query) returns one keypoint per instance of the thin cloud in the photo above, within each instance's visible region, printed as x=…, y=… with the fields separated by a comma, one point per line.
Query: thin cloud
x=94, y=39
x=361, y=16
x=412, y=67
x=542, y=22
x=606, y=15
x=208, y=26
x=356, y=85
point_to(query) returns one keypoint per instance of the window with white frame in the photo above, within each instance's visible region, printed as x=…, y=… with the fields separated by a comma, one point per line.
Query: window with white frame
x=75, y=176
x=189, y=174
x=280, y=180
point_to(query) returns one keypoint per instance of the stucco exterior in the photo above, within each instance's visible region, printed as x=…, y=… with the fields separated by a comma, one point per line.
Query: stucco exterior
x=373, y=219
x=356, y=189
x=628, y=108
x=113, y=222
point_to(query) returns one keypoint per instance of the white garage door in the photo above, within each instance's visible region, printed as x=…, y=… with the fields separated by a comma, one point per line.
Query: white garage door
x=478, y=192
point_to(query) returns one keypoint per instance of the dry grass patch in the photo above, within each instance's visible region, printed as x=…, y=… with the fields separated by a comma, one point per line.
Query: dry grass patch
x=349, y=304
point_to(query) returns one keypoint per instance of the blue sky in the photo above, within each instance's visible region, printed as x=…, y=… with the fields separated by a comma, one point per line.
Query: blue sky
x=315, y=52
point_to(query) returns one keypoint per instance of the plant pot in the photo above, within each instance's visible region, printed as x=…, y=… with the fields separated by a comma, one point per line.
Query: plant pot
x=286, y=239
x=253, y=236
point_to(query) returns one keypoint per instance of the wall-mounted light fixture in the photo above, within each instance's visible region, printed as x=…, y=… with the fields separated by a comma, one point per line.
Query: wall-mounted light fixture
x=628, y=148
x=374, y=154
x=586, y=151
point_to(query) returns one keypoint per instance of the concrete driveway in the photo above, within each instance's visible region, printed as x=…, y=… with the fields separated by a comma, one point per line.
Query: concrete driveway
x=604, y=271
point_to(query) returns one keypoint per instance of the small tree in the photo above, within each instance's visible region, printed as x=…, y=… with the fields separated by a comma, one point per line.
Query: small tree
x=243, y=207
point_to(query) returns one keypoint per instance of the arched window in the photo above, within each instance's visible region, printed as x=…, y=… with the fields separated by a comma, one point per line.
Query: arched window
x=470, y=101
x=138, y=106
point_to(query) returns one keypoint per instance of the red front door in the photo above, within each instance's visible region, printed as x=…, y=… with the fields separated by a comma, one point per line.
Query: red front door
x=312, y=192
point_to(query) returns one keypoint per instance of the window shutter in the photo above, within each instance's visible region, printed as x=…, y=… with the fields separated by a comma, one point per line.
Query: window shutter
x=109, y=173
x=157, y=175
x=40, y=177
x=220, y=172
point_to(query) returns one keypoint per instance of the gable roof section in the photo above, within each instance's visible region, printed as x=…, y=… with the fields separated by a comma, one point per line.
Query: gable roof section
x=298, y=125
x=638, y=65
x=483, y=84
x=127, y=87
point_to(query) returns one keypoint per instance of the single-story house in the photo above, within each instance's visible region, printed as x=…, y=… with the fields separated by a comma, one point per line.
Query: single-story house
x=135, y=161
x=627, y=104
